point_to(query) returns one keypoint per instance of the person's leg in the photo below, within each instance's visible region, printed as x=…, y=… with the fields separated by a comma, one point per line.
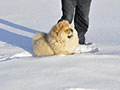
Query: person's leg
x=68, y=10
x=81, y=19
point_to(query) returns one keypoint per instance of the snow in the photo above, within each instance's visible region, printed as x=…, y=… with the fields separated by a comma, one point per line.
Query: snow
x=78, y=89
x=93, y=67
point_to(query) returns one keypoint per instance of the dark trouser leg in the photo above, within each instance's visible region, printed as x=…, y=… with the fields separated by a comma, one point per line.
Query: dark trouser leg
x=68, y=9
x=81, y=19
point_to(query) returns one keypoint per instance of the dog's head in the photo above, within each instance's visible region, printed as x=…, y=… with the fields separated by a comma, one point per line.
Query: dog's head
x=64, y=29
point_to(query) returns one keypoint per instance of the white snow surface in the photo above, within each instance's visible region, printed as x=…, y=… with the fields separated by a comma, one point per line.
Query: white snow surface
x=93, y=67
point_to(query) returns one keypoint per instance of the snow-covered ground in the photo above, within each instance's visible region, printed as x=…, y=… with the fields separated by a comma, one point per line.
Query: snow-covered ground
x=96, y=69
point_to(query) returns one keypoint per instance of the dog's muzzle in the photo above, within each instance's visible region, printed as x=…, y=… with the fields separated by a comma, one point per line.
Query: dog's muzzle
x=71, y=34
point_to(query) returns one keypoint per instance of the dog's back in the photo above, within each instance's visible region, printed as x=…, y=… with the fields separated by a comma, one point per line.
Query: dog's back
x=41, y=46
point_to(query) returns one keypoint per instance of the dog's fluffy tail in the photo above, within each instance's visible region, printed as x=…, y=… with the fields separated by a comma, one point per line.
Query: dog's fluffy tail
x=41, y=46
x=39, y=36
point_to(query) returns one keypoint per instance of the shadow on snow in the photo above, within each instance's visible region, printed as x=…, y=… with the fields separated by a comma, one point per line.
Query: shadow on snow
x=15, y=39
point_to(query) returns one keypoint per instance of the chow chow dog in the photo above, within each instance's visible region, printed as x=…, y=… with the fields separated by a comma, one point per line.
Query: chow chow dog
x=62, y=39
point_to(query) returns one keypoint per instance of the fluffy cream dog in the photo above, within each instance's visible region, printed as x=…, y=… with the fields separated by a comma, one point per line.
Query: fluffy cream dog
x=62, y=39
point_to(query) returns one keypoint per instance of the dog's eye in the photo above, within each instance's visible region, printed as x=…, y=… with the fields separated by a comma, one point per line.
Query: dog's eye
x=68, y=31
x=71, y=30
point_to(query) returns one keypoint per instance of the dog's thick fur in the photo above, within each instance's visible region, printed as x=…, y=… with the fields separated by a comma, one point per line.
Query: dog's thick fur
x=62, y=39
x=41, y=46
